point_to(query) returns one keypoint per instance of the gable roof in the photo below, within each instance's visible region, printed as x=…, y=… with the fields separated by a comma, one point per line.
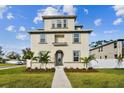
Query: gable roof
x=106, y=44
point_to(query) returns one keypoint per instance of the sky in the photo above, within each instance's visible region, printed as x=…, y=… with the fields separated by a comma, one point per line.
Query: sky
x=106, y=21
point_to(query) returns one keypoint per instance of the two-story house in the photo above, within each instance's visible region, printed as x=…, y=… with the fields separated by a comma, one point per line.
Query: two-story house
x=109, y=50
x=65, y=41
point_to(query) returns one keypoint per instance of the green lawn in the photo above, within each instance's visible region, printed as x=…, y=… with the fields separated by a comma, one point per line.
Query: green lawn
x=2, y=64
x=105, y=78
x=18, y=78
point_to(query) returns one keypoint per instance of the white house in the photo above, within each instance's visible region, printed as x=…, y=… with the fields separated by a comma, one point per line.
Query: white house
x=65, y=41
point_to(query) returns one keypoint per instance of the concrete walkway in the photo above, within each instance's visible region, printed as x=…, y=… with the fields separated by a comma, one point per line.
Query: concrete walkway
x=9, y=67
x=60, y=79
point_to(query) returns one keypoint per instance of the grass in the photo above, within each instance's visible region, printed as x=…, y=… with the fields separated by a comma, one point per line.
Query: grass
x=2, y=64
x=18, y=78
x=105, y=78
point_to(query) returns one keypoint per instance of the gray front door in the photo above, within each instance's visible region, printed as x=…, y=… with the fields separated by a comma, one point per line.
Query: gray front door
x=59, y=58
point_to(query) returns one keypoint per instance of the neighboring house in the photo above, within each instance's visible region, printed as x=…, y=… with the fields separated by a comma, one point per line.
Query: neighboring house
x=110, y=50
x=65, y=41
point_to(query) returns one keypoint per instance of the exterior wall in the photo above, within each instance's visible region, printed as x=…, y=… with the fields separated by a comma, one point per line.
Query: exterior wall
x=108, y=50
x=67, y=50
x=52, y=65
x=48, y=25
x=107, y=63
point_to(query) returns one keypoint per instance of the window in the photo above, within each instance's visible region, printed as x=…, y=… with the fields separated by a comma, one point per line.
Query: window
x=59, y=24
x=115, y=45
x=76, y=55
x=53, y=25
x=100, y=57
x=65, y=23
x=99, y=50
x=115, y=55
x=105, y=57
x=76, y=38
x=42, y=38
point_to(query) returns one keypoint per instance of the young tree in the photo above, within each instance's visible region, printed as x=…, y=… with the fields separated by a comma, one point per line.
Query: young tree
x=86, y=60
x=27, y=54
x=44, y=58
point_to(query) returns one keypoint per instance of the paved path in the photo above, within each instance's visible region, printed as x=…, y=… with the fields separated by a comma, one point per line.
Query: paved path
x=9, y=67
x=60, y=79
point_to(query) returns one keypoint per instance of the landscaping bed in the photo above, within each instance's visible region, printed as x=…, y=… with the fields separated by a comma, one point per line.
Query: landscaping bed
x=19, y=78
x=80, y=70
x=40, y=70
x=104, y=78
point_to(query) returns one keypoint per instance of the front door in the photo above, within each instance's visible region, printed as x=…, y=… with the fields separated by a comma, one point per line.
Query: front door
x=59, y=58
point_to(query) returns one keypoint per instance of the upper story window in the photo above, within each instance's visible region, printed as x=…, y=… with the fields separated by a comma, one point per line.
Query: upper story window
x=76, y=55
x=100, y=49
x=65, y=23
x=53, y=24
x=42, y=38
x=59, y=24
x=115, y=45
x=76, y=38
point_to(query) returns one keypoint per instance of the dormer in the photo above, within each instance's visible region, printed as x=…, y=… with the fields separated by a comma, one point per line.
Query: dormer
x=59, y=23
x=78, y=27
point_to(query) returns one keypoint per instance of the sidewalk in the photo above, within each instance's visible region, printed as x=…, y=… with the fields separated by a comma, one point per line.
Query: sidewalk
x=60, y=79
x=9, y=67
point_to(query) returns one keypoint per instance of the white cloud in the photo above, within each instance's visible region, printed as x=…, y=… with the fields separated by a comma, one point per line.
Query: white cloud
x=3, y=9
x=110, y=31
x=54, y=10
x=20, y=36
x=86, y=11
x=98, y=22
x=93, y=34
x=47, y=11
x=117, y=21
x=10, y=16
x=119, y=9
x=11, y=28
x=32, y=28
x=22, y=29
x=69, y=9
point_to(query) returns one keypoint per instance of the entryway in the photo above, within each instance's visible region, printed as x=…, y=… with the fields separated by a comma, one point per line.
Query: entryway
x=59, y=58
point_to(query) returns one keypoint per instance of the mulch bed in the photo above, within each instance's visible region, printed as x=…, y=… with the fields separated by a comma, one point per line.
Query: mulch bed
x=80, y=70
x=40, y=70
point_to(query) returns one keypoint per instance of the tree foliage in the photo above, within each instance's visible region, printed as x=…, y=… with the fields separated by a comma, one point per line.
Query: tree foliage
x=27, y=54
x=13, y=55
x=44, y=57
x=86, y=60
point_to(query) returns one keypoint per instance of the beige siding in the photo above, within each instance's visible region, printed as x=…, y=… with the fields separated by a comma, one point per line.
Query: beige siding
x=48, y=25
x=108, y=51
x=67, y=50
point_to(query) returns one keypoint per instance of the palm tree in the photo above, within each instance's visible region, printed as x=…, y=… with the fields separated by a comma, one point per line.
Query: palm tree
x=120, y=60
x=86, y=60
x=28, y=55
x=44, y=58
